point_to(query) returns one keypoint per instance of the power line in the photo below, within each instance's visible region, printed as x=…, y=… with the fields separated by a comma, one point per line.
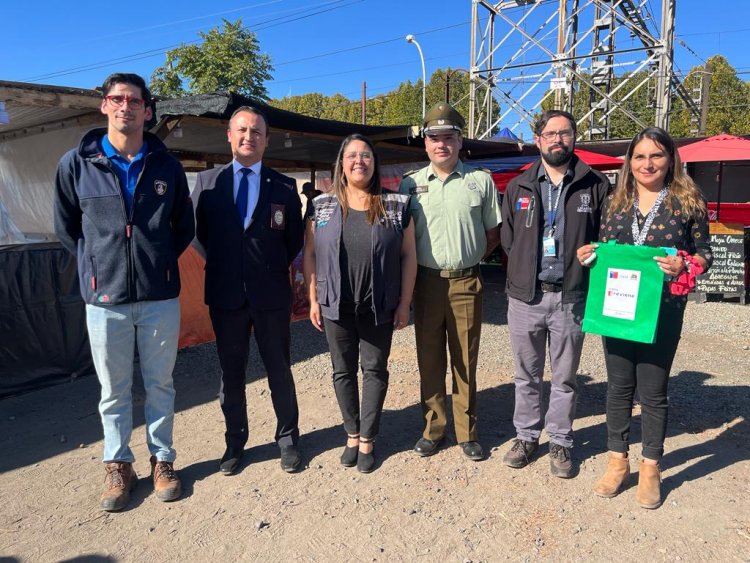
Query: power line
x=367, y=45
x=274, y=22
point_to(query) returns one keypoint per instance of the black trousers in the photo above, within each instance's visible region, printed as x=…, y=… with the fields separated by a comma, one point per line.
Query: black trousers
x=232, y=328
x=353, y=338
x=645, y=367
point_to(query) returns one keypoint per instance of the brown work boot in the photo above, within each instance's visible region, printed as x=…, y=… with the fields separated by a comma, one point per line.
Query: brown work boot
x=520, y=454
x=167, y=486
x=119, y=482
x=618, y=472
x=648, y=494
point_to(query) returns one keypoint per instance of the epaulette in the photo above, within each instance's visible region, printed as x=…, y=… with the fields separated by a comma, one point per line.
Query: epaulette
x=410, y=172
x=478, y=168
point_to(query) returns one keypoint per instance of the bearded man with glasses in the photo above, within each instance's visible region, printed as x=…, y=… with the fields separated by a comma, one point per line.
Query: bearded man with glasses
x=122, y=207
x=549, y=211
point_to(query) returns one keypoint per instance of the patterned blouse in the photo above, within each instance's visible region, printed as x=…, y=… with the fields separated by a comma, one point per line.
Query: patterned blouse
x=670, y=229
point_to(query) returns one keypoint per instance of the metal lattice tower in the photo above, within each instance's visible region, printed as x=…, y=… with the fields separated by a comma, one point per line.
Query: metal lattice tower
x=621, y=51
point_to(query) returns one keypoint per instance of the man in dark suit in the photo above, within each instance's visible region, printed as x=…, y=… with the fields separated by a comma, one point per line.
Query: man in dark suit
x=249, y=221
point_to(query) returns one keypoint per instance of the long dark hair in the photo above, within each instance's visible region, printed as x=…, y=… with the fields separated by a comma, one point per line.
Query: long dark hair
x=375, y=209
x=682, y=189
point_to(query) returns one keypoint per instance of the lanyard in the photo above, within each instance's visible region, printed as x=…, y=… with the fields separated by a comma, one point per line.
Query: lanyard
x=552, y=213
x=639, y=236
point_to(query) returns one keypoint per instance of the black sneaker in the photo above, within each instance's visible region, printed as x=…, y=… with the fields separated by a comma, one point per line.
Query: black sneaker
x=560, y=462
x=520, y=454
x=291, y=461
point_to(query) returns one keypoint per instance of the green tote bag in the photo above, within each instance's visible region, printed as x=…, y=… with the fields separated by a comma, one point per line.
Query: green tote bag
x=624, y=294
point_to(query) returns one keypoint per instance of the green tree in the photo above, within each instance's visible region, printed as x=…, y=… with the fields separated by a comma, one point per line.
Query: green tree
x=226, y=59
x=402, y=106
x=728, y=101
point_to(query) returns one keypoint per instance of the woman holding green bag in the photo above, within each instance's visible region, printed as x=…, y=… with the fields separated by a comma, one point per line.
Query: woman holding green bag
x=655, y=204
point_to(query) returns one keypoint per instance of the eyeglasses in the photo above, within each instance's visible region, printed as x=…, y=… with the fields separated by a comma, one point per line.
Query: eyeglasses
x=364, y=155
x=119, y=101
x=565, y=134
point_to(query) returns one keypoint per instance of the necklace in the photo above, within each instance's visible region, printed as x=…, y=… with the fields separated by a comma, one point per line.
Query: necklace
x=639, y=235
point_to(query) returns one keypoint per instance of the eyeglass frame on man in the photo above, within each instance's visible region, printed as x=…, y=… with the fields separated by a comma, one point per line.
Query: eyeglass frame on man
x=565, y=134
x=135, y=103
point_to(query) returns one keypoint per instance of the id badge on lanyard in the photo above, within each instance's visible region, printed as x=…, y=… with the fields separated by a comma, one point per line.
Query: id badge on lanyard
x=549, y=246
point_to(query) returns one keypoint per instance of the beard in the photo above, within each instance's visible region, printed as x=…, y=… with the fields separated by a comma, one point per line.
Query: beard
x=557, y=158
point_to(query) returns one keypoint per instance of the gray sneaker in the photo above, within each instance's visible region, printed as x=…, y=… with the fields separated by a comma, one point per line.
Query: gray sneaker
x=560, y=462
x=520, y=454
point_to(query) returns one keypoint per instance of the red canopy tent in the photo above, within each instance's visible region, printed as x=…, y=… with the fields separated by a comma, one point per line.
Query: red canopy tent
x=594, y=160
x=719, y=148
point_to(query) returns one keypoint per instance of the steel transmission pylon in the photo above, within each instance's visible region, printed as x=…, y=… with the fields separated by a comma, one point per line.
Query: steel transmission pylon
x=554, y=48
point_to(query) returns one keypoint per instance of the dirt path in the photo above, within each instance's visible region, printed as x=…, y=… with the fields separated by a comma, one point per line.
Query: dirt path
x=442, y=508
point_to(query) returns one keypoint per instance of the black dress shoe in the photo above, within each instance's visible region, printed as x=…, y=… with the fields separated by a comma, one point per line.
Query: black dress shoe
x=425, y=447
x=472, y=450
x=291, y=461
x=366, y=462
x=230, y=461
x=349, y=457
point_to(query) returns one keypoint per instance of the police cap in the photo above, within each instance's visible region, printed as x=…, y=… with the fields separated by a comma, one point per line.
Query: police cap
x=442, y=117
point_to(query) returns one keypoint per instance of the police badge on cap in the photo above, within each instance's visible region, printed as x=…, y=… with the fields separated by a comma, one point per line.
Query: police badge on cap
x=442, y=117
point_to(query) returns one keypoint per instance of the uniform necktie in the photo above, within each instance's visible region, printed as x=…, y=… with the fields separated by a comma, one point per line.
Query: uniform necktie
x=242, y=193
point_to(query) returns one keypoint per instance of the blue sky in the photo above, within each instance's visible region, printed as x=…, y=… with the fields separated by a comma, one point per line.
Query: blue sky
x=323, y=46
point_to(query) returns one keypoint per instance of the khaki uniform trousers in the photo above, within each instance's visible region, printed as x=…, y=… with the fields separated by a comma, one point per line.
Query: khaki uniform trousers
x=448, y=311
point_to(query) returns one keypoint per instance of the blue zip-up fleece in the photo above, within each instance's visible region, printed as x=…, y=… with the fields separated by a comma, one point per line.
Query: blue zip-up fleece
x=123, y=258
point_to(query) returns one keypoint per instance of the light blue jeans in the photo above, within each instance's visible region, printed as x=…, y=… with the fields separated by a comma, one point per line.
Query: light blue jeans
x=113, y=333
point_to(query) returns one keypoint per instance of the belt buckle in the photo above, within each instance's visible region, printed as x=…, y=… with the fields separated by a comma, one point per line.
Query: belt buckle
x=446, y=274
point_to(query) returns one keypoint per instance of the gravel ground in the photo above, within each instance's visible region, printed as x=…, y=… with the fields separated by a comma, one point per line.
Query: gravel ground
x=442, y=508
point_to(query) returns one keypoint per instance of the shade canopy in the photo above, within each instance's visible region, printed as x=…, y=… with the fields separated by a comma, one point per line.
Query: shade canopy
x=719, y=148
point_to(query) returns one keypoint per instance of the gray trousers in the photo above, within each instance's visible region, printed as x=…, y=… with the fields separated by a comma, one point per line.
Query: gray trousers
x=534, y=326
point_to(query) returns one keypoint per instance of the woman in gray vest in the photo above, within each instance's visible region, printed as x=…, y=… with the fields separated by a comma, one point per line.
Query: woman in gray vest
x=360, y=265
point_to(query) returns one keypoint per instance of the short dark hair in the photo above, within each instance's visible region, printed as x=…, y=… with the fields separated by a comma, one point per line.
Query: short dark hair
x=541, y=123
x=127, y=78
x=251, y=109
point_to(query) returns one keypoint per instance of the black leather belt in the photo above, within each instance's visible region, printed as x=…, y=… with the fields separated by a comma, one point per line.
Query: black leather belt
x=450, y=274
x=547, y=287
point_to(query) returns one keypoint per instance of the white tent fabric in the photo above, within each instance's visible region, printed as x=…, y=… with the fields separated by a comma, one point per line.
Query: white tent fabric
x=27, y=180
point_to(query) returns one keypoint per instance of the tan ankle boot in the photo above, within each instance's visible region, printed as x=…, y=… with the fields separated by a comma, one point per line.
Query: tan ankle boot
x=618, y=472
x=648, y=494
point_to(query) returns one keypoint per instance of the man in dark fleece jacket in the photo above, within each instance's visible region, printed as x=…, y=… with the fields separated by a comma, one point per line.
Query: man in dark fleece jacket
x=549, y=211
x=122, y=207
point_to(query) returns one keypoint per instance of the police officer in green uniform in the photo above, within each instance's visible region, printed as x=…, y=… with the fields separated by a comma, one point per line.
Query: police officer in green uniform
x=456, y=218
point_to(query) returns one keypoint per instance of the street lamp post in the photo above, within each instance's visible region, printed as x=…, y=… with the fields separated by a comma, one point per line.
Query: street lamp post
x=410, y=39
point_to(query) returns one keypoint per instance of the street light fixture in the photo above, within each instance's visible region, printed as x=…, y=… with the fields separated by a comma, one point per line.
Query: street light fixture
x=410, y=39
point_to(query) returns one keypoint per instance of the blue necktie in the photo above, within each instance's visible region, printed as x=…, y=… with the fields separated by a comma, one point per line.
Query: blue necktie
x=242, y=193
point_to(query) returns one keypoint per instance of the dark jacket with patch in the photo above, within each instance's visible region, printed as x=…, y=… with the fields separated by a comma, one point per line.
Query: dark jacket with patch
x=248, y=266
x=123, y=258
x=523, y=224
x=386, y=237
